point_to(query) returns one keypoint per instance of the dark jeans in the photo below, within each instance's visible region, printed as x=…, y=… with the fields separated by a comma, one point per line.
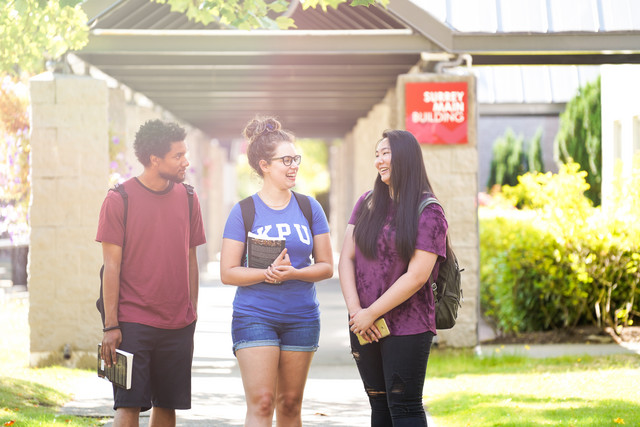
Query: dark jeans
x=393, y=372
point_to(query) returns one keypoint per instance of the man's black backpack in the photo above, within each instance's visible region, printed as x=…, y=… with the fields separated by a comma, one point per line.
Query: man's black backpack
x=125, y=199
x=248, y=209
x=447, y=290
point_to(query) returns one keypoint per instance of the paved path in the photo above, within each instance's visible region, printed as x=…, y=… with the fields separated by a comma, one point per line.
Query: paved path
x=334, y=395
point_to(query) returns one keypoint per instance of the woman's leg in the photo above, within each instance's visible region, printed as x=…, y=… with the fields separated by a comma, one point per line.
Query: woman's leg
x=292, y=377
x=369, y=362
x=299, y=341
x=404, y=360
x=259, y=369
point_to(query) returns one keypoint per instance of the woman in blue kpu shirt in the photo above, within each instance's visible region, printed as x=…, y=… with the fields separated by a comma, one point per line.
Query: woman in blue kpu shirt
x=276, y=318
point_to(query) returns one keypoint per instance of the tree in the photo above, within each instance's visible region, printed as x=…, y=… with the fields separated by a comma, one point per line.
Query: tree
x=35, y=31
x=248, y=14
x=509, y=160
x=580, y=137
x=534, y=153
x=512, y=157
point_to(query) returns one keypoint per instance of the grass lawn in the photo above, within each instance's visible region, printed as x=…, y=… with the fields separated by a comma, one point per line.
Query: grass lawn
x=32, y=396
x=466, y=390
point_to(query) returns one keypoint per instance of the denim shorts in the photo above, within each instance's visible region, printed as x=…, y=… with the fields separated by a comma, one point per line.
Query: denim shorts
x=251, y=331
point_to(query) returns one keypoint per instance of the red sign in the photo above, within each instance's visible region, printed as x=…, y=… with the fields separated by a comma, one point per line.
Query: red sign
x=436, y=112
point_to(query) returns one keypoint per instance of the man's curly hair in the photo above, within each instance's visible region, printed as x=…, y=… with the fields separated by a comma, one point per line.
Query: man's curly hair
x=155, y=137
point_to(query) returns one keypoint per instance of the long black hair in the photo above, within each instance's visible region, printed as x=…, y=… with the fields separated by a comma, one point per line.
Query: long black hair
x=408, y=183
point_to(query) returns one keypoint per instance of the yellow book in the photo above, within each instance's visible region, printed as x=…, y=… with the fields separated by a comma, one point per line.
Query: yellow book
x=381, y=324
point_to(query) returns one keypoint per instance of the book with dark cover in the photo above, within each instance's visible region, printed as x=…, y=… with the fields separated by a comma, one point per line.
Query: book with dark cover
x=263, y=250
x=119, y=373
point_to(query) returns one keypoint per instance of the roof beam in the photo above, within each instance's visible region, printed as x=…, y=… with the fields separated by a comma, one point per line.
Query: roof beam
x=258, y=43
x=565, y=43
x=94, y=9
x=424, y=22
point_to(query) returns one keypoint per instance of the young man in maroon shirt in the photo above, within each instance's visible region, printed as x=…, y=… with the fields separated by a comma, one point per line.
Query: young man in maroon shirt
x=151, y=277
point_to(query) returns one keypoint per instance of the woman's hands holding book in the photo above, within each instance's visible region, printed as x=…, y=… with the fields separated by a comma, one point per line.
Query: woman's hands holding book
x=362, y=323
x=280, y=270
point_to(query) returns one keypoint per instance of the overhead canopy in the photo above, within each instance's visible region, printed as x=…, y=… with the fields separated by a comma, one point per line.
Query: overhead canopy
x=319, y=78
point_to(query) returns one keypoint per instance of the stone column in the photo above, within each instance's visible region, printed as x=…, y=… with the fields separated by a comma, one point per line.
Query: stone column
x=69, y=178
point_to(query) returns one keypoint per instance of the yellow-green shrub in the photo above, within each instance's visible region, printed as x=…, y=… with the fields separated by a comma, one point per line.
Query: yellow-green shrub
x=557, y=261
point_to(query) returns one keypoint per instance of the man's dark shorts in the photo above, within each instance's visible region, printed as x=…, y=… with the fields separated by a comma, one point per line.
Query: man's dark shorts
x=161, y=367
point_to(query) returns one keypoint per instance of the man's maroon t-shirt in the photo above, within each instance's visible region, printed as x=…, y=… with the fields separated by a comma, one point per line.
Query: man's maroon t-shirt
x=154, y=279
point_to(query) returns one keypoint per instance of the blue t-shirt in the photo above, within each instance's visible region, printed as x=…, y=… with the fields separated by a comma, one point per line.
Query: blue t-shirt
x=293, y=299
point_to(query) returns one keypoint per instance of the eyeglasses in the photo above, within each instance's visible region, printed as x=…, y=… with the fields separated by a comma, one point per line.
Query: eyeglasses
x=287, y=160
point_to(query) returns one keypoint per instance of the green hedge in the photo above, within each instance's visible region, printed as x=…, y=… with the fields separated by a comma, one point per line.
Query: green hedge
x=559, y=262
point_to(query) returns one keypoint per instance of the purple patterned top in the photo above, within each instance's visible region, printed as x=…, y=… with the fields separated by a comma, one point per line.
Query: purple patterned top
x=374, y=276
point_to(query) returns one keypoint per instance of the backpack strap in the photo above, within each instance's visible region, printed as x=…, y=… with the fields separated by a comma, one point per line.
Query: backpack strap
x=125, y=200
x=305, y=207
x=190, y=192
x=248, y=208
x=423, y=204
x=428, y=201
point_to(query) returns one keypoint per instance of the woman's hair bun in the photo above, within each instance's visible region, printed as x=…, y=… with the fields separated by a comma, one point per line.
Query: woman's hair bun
x=259, y=126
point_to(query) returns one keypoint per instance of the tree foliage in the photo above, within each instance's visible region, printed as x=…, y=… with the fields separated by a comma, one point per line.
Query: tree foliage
x=534, y=153
x=512, y=157
x=34, y=31
x=579, y=138
x=250, y=14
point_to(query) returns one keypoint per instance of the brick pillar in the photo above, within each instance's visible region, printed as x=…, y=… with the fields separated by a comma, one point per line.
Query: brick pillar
x=69, y=177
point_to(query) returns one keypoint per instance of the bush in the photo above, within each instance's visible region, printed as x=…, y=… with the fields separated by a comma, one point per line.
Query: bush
x=558, y=261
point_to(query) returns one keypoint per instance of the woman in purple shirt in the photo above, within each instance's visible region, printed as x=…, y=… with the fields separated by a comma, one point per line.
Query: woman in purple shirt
x=388, y=255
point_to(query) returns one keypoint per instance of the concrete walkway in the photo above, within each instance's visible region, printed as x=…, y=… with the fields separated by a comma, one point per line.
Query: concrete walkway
x=334, y=395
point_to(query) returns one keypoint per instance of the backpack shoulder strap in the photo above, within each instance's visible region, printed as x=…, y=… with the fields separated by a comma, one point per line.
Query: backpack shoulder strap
x=119, y=188
x=428, y=201
x=248, y=208
x=190, y=192
x=305, y=207
x=125, y=199
x=423, y=204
